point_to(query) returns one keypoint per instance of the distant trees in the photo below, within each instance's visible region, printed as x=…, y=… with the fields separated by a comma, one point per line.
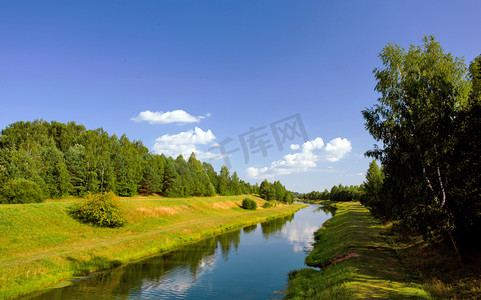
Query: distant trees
x=337, y=193
x=275, y=191
x=428, y=120
x=371, y=188
x=66, y=159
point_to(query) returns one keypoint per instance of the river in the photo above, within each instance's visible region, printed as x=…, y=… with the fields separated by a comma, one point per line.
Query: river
x=249, y=263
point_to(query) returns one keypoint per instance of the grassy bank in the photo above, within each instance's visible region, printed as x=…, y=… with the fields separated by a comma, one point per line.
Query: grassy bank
x=40, y=244
x=356, y=261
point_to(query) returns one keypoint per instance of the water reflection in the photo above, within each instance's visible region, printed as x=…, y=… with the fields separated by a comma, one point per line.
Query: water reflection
x=213, y=268
x=326, y=209
x=271, y=227
x=250, y=228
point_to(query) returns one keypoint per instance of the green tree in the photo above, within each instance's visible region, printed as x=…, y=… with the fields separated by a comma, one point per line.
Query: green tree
x=234, y=186
x=74, y=159
x=20, y=191
x=372, y=196
x=266, y=191
x=128, y=166
x=55, y=172
x=223, y=181
x=170, y=183
x=422, y=91
x=153, y=173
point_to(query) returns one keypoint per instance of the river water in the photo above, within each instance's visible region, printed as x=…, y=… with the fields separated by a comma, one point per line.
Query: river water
x=249, y=263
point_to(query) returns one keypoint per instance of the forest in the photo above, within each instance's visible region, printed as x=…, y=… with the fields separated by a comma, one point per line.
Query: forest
x=428, y=121
x=40, y=160
x=337, y=193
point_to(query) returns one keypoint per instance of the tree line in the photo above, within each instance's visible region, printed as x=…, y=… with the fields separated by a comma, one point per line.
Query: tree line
x=275, y=191
x=337, y=193
x=55, y=160
x=428, y=120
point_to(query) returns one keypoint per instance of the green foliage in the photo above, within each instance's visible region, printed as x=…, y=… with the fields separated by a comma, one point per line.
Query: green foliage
x=223, y=181
x=356, y=262
x=372, y=196
x=249, y=204
x=275, y=191
x=337, y=193
x=267, y=205
x=55, y=172
x=47, y=227
x=66, y=159
x=74, y=160
x=101, y=210
x=20, y=191
x=266, y=191
x=427, y=120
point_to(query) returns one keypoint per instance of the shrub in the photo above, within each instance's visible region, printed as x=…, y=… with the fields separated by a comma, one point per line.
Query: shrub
x=102, y=210
x=20, y=191
x=267, y=204
x=248, y=203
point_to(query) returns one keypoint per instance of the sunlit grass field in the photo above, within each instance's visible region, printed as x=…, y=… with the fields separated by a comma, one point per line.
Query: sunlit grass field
x=361, y=258
x=356, y=262
x=41, y=244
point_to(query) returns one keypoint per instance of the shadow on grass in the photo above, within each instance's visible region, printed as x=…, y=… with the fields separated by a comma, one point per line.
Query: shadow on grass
x=375, y=273
x=95, y=263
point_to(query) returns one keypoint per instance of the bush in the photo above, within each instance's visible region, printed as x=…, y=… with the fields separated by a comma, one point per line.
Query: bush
x=20, y=191
x=248, y=203
x=267, y=204
x=102, y=210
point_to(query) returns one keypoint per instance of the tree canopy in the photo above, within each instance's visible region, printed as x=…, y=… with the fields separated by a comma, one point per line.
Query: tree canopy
x=337, y=193
x=427, y=119
x=56, y=160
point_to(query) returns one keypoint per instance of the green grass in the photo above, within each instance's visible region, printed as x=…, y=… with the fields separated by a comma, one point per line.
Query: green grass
x=372, y=271
x=436, y=265
x=40, y=244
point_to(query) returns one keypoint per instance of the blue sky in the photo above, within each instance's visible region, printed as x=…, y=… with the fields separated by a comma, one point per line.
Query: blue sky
x=211, y=70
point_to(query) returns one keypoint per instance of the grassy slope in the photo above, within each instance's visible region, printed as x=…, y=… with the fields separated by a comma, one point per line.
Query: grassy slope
x=436, y=265
x=373, y=271
x=40, y=244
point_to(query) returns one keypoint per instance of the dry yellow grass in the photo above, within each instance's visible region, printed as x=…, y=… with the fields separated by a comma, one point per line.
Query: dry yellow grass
x=157, y=212
x=226, y=205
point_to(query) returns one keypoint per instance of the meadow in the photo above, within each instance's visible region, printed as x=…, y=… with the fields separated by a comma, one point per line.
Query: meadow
x=40, y=244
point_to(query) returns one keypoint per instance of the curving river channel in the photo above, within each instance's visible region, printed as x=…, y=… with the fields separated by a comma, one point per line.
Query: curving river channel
x=249, y=263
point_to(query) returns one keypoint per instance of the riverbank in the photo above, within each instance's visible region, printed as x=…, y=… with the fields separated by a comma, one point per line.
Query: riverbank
x=356, y=261
x=40, y=244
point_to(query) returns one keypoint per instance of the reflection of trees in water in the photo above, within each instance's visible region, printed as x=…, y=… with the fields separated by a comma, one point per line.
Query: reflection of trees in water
x=227, y=240
x=251, y=228
x=326, y=209
x=273, y=226
x=125, y=279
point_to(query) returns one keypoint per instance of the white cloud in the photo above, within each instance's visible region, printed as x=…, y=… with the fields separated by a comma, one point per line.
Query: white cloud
x=255, y=172
x=185, y=143
x=337, y=149
x=176, y=116
x=311, y=152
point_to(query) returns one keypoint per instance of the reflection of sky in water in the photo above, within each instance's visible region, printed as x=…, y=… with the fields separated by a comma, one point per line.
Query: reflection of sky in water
x=243, y=264
x=176, y=282
x=300, y=235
